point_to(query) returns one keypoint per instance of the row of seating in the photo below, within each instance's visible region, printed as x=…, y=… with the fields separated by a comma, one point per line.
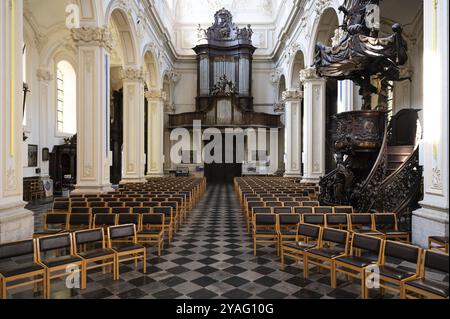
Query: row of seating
x=158, y=221
x=365, y=258
x=70, y=254
x=280, y=228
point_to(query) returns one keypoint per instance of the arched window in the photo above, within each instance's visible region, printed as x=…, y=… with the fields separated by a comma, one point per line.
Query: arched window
x=66, y=98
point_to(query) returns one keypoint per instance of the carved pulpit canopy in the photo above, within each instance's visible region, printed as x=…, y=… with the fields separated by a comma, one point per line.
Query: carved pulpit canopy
x=224, y=30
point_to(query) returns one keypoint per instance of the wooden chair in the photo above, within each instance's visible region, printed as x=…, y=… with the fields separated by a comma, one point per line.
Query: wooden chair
x=339, y=221
x=392, y=278
x=363, y=224
x=438, y=243
x=152, y=230
x=96, y=257
x=100, y=210
x=356, y=266
x=282, y=210
x=386, y=223
x=29, y=273
x=307, y=238
x=80, y=210
x=314, y=219
x=310, y=203
x=126, y=251
x=57, y=267
x=427, y=287
x=343, y=210
x=287, y=228
x=79, y=222
x=265, y=230
x=333, y=243
x=53, y=224
x=61, y=206
x=323, y=210
x=168, y=220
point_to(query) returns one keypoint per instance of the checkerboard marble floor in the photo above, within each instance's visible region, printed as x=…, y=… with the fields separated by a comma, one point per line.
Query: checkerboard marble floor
x=210, y=257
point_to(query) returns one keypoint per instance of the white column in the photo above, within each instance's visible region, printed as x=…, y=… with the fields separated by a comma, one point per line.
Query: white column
x=46, y=126
x=155, y=157
x=133, y=126
x=345, y=96
x=293, y=103
x=93, y=98
x=432, y=218
x=314, y=123
x=16, y=223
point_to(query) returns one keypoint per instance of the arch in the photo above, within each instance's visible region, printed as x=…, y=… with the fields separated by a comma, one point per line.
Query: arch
x=151, y=68
x=123, y=27
x=323, y=29
x=91, y=12
x=66, y=97
x=297, y=65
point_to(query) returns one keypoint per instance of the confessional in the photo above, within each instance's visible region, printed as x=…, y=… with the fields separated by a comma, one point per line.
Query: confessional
x=63, y=166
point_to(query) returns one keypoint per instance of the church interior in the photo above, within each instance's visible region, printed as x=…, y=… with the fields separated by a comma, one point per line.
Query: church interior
x=224, y=149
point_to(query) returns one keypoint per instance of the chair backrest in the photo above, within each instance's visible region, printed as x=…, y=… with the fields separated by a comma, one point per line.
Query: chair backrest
x=115, y=204
x=151, y=204
x=55, y=242
x=97, y=204
x=335, y=236
x=336, y=220
x=126, y=199
x=323, y=210
x=250, y=205
x=80, y=210
x=288, y=219
x=122, y=231
x=310, y=203
x=105, y=220
x=142, y=210
x=314, y=219
x=303, y=210
x=167, y=211
x=79, y=204
x=265, y=220
x=55, y=219
x=16, y=249
x=367, y=243
x=152, y=220
x=89, y=236
x=261, y=210
x=91, y=196
x=343, y=210
x=172, y=204
x=61, y=206
x=274, y=204
x=282, y=210
x=385, y=221
x=80, y=220
x=100, y=210
x=121, y=210
x=402, y=251
x=133, y=204
x=110, y=199
x=309, y=231
x=125, y=219
x=93, y=199
x=436, y=261
x=361, y=220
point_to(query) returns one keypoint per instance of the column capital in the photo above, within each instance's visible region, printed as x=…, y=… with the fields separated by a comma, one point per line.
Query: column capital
x=87, y=35
x=291, y=95
x=132, y=74
x=44, y=75
x=309, y=74
x=153, y=95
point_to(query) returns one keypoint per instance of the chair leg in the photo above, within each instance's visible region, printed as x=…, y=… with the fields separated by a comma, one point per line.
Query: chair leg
x=3, y=291
x=364, y=292
x=144, y=260
x=83, y=274
x=305, y=267
x=402, y=291
x=282, y=259
x=48, y=284
x=254, y=245
x=333, y=275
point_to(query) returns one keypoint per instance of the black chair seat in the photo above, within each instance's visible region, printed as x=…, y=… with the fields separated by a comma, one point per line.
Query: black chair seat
x=288, y=232
x=355, y=261
x=430, y=286
x=266, y=232
x=48, y=232
x=443, y=240
x=123, y=247
x=11, y=271
x=299, y=246
x=150, y=232
x=326, y=252
x=101, y=252
x=395, y=273
x=59, y=261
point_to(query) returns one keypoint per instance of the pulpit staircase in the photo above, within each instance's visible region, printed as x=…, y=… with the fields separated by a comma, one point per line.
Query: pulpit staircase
x=394, y=183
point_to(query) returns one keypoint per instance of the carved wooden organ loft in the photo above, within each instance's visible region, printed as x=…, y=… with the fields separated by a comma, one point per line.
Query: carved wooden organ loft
x=377, y=157
x=224, y=90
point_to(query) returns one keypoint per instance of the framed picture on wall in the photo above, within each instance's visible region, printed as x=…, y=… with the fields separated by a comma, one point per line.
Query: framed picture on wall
x=32, y=155
x=45, y=152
